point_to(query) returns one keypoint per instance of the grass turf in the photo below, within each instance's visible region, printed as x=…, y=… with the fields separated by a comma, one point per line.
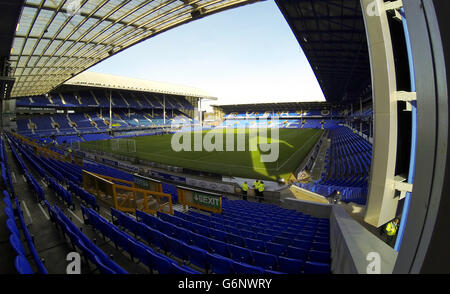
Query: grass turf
x=294, y=145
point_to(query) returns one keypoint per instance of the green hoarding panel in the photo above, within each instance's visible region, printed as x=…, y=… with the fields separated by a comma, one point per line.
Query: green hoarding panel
x=206, y=200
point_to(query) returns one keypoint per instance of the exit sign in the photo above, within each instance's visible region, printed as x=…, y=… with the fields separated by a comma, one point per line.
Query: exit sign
x=207, y=200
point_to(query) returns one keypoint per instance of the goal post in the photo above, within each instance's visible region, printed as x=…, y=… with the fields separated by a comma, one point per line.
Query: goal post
x=123, y=145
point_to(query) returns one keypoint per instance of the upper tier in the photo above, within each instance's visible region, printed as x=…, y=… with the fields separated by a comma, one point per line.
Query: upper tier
x=101, y=99
x=285, y=114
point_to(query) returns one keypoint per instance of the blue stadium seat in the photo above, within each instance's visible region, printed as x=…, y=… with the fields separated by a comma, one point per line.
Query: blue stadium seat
x=184, y=235
x=317, y=268
x=235, y=239
x=144, y=254
x=265, y=260
x=179, y=214
x=22, y=265
x=233, y=230
x=182, y=270
x=219, y=264
x=200, y=241
x=297, y=253
x=288, y=235
x=254, y=244
x=319, y=256
x=249, y=234
x=290, y=265
x=322, y=240
x=176, y=247
x=242, y=268
x=281, y=240
x=202, y=230
x=304, y=244
x=240, y=254
x=159, y=240
x=87, y=253
x=101, y=267
x=270, y=272
x=17, y=245
x=7, y=201
x=125, y=242
x=216, y=226
x=196, y=256
x=217, y=234
x=9, y=212
x=12, y=227
x=264, y=237
x=161, y=263
x=218, y=247
x=276, y=249
x=320, y=246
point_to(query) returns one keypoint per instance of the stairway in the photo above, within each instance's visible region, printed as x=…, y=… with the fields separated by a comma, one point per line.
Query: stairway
x=93, y=123
x=95, y=98
x=55, y=124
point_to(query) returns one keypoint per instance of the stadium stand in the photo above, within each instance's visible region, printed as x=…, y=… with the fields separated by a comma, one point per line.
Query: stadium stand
x=13, y=211
x=89, y=117
x=269, y=239
x=347, y=167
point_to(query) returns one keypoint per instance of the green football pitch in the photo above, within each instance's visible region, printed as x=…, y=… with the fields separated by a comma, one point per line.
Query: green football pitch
x=293, y=146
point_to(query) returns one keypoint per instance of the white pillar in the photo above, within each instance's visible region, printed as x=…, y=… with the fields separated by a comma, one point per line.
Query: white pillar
x=110, y=110
x=164, y=108
x=381, y=204
x=200, y=111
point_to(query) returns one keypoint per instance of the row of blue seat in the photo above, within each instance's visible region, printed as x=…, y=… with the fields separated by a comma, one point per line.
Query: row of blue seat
x=240, y=232
x=28, y=157
x=210, y=254
x=286, y=220
x=266, y=226
x=68, y=174
x=264, y=210
x=6, y=177
x=136, y=249
x=259, y=241
x=29, y=177
x=122, y=100
x=261, y=213
x=60, y=191
x=85, y=196
x=21, y=262
x=347, y=165
x=54, y=185
x=79, y=240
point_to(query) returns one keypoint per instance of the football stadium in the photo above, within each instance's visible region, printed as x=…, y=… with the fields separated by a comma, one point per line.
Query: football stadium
x=110, y=174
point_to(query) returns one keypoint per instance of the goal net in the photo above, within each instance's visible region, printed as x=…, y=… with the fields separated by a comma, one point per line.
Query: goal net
x=123, y=145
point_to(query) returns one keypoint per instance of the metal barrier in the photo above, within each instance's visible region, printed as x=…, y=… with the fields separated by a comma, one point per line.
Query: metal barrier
x=199, y=199
x=125, y=196
x=147, y=183
x=42, y=151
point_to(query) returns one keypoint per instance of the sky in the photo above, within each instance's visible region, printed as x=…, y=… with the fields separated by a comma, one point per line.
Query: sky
x=244, y=55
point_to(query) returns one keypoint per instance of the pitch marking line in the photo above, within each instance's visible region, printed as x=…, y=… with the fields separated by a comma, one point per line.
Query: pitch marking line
x=301, y=148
